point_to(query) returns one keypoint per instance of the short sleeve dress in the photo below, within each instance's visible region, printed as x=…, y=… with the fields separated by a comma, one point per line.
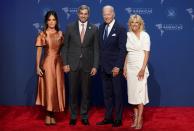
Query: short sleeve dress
x=51, y=88
x=137, y=90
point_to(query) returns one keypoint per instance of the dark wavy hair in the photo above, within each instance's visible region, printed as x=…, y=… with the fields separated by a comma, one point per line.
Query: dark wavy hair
x=48, y=14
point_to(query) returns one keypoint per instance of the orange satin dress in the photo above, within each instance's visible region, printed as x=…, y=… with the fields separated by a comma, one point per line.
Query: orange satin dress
x=51, y=88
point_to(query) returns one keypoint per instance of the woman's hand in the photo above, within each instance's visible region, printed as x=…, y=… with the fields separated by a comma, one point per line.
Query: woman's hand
x=125, y=72
x=140, y=75
x=39, y=71
x=93, y=71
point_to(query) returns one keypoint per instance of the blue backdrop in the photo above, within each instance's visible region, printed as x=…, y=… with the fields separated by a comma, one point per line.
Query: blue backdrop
x=170, y=24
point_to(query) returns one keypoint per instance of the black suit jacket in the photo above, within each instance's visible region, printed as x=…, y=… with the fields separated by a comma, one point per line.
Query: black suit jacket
x=73, y=48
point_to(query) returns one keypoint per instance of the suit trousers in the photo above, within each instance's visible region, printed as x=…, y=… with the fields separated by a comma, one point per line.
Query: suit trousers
x=112, y=95
x=79, y=78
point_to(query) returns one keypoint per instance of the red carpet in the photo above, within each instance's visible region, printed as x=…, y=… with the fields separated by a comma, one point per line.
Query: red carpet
x=20, y=118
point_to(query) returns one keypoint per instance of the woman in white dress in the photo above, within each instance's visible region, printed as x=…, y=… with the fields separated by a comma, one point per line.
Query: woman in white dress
x=135, y=67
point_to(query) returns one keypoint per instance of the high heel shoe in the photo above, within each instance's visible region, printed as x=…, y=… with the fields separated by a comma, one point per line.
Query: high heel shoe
x=134, y=121
x=134, y=124
x=139, y=124
x=47, y=120
x=53, y=121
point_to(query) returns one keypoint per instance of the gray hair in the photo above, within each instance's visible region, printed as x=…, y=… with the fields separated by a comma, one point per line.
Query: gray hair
x=109, y=7
x=82, y=7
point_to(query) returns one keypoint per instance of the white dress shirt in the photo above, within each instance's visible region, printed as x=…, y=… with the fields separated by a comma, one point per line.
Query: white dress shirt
x=80, y=26
x=110, y=26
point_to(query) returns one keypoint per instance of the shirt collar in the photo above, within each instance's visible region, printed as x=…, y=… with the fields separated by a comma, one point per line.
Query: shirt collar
x=112, y=23
x=85, y=24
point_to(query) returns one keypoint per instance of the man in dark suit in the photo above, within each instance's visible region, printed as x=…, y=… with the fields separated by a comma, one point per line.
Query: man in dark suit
x=81, y=58
x=112, y=54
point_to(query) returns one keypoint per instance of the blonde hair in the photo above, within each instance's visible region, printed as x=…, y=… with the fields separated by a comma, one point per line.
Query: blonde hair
x=139, y=19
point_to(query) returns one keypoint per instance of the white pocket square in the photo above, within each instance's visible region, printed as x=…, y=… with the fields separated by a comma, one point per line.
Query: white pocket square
x=114, y=34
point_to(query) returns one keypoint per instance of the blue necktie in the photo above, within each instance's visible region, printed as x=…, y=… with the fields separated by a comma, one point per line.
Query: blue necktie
x=105, y=36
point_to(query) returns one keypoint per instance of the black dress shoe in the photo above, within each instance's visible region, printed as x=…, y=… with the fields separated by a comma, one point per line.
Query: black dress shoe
x=117, y=123
x=72, y=122
x=104, y=122
x=85, y=122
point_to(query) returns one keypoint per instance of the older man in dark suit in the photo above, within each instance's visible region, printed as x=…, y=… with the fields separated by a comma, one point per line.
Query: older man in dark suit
x=81, y=57
x=112, y=54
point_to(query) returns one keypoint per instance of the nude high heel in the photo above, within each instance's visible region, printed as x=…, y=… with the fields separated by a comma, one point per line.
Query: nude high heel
x=53, y=121
x=139, y=124
x=47, y=120
x=134, y=121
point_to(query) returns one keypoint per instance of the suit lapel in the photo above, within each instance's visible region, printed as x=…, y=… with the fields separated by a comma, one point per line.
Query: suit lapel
x=112, y=31
x=77, y=28
x=102, y=32
x=110, y=34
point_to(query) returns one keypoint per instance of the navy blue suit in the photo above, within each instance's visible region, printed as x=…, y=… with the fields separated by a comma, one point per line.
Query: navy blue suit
x=112, y=54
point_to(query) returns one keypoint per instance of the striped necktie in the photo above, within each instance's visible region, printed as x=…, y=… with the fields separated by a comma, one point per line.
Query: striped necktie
x=105, y=36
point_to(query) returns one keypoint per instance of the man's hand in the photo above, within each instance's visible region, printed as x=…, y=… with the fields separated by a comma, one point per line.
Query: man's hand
x=115, y=71
x=93, y=71
x=66, y=68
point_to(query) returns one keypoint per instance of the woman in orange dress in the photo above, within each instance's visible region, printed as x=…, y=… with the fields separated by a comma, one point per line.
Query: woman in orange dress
x=49, y=65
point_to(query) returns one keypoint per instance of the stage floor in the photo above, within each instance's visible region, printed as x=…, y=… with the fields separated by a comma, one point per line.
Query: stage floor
x=26, y=118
